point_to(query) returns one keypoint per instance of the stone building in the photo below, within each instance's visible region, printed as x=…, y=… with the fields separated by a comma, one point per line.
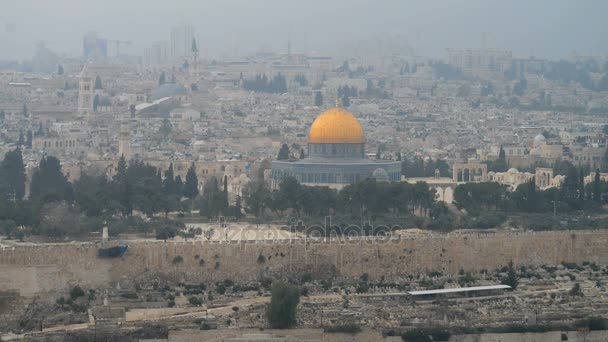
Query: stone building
x=336, y=155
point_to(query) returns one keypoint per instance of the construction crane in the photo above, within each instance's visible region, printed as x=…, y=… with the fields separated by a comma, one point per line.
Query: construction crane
x=118, y=43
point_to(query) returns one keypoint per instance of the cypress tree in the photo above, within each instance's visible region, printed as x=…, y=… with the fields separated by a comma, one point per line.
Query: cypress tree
x=98, y=84
x=14, y=173
x=597, y=186
x=179, y=185
x=283, y=152
x=191, y=185
x=169, y=182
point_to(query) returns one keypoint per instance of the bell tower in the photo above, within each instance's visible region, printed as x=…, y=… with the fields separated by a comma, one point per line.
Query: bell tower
x=86, y=91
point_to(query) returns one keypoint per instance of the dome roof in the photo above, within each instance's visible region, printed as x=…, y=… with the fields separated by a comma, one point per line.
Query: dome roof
x=539, y=140
x=168, y=90
x=336, y=126
x=513, y=170
x=380, y=175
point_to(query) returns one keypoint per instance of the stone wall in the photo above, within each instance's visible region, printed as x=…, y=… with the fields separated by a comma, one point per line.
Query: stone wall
x=572, y=336
x=45, y=268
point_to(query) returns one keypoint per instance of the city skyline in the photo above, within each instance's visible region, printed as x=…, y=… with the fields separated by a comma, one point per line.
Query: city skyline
x=325, y=28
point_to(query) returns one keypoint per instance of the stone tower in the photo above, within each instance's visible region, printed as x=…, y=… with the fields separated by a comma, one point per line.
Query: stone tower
x=124, y=139
x=86, y=92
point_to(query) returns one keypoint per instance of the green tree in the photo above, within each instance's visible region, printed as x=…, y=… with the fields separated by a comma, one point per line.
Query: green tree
x=123, y=187
x=191, y=185
x=24, y=111
x=318, y=99
x=29, y=138
x=345, y=101
x=169, y=181
x=13, y=172
x=257, y=198
x=98, y=84
x=511, y=279
x=597, y=187
x=302, y=154
x=95, y=196
x=166, y=128
x=281, y=311
x=225, y=195
x=21, y=141
x=162, y=79
x=237, y=208
x=526, y=198
x=48, y=182
x=60, y=70
x=283, y=152
x=179, y=186
x=208, y=205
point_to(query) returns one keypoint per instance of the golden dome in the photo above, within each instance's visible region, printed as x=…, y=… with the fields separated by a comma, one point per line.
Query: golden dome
x=336, y=126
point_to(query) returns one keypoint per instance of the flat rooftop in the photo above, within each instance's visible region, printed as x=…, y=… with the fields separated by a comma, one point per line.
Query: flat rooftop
x=459, y=289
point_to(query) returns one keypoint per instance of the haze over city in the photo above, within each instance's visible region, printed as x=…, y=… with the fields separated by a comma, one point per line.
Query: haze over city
x=303, y=171
x=545, y=28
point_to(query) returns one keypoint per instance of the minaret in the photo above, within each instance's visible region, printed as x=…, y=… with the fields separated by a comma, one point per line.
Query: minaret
x=86, y=91
x=194, y=51
x=124, y=139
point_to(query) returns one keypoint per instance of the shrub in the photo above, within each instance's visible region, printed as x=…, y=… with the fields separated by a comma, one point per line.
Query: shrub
x=266, y=283
x=76, y=292
x=576, y=291
x=281, y=311
x=362, y=287
x=426, y=335
x=164, y=233
x=593, y=323
x=572, y=266
x=344, y=328
x=178, y=259
x=195, y=301
x=261, y=259
x=220, y=289
x=129, y=295
x=512, y=279
x=306, y=278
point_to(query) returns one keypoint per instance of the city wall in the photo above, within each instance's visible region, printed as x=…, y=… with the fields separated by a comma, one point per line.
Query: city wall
x=55, y=267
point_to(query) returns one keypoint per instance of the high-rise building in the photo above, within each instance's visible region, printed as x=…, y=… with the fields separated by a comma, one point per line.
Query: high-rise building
x=157, y=54
x=476, y=61
x=181, y=40
x=94, y=48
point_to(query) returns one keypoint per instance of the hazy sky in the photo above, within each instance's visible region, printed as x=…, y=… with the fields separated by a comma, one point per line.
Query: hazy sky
x=543, y=28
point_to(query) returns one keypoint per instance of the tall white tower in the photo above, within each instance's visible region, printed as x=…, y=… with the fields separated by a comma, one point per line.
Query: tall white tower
x=86, y=92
